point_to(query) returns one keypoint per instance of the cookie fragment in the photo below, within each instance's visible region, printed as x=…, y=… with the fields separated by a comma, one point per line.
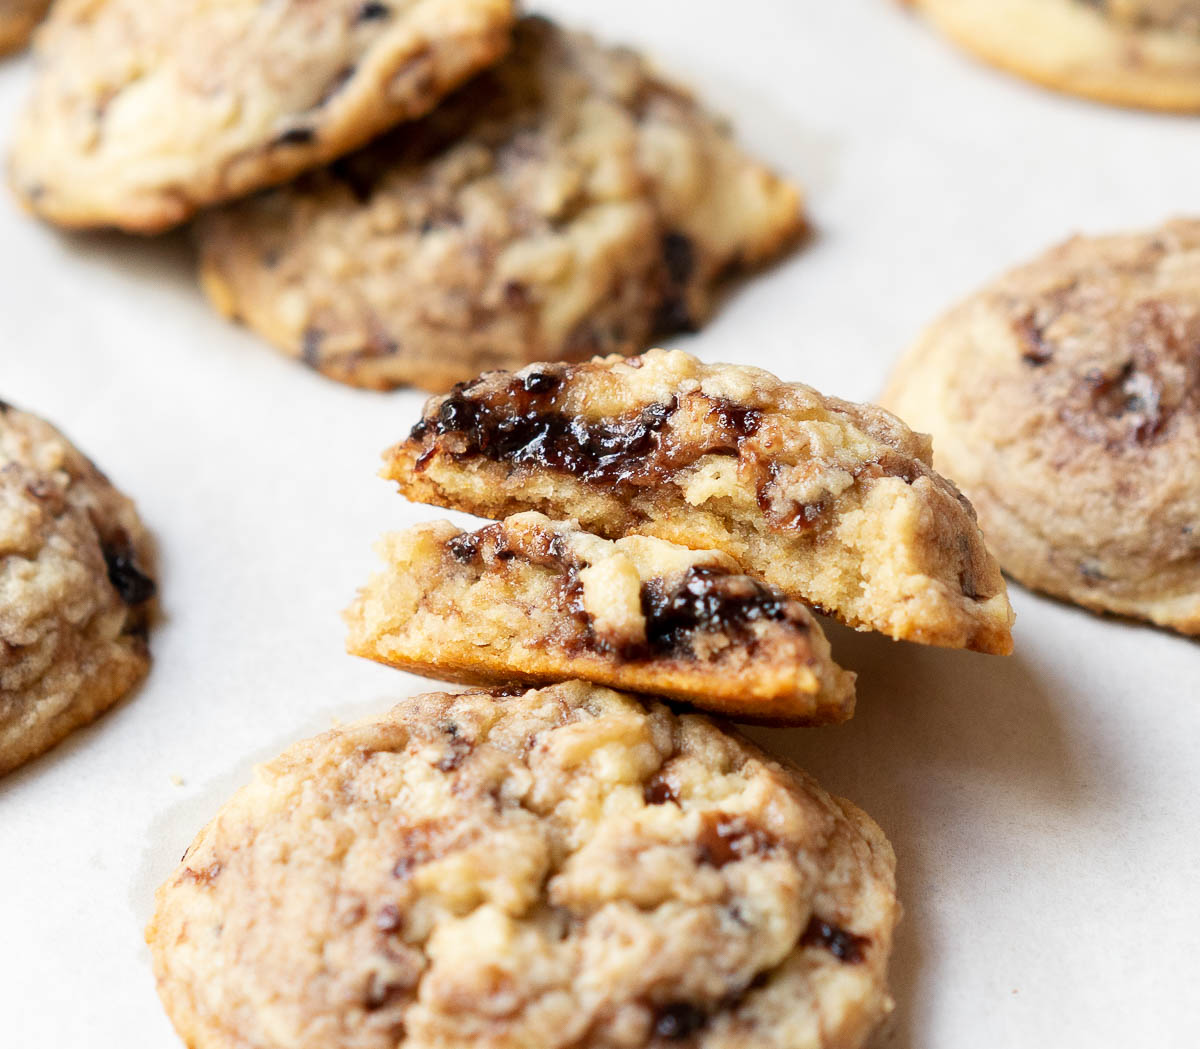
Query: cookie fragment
x=834, y=503
x=76, y=582
x=534, y=601
x=142, y=112
x=18, y=20
x=565, y=203
x=1128, y=52
x=563, y=868
x=1065, y=399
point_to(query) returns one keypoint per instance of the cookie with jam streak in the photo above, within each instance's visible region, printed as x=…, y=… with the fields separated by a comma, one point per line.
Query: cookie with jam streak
x=76, y=589
x=535, y=601
x=567, y=202
x=1142, y=53
x=834, y=503
x=1065, y=399
x=568, y=868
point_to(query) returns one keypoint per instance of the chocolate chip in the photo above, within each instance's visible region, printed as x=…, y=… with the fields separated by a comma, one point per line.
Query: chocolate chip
x=389, y=919
x=1038, y=350
x=310, y=346
x=844, y=946
x=541, y=383
x=674, y=317
x=658, y=791
x=516, y=294
x=370, y=12
x=679, y=255
x=678, y=1021
x=381, y=992
x=5, y=406
x=725, y=839
x=131, y=584
x=296, y=136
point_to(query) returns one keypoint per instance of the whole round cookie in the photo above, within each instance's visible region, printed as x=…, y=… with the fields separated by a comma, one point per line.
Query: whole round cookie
x=563, y=868
x=1065, y=400
x=1129, y=52
x=143, y=112
x=75, y=589
x=18, y=19
x=566, y=202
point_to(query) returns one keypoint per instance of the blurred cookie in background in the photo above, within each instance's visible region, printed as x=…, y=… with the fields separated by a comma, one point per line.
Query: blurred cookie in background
x=1128, y=52
x=76, y=589
x=143, y=112
x=1064, y=399
x=566, y=203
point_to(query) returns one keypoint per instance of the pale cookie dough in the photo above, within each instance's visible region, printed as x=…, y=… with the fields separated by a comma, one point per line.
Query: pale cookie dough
x=1128, y=52
x=564, y=869
x=1065, y=399
x=18, y=19
x=143, y=112
x=75, y=589
x=834, y=503
x=536, y=601
x=567, y=202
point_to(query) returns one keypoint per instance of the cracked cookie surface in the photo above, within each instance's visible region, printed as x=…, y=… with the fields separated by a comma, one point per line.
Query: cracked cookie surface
x=563, y=868
x=1065, y=399
x=1128, y=52
x=18, y=20
x=834, y=503
x=567, y=202
x=142, y=113
x=536, y=601
x=75, y=589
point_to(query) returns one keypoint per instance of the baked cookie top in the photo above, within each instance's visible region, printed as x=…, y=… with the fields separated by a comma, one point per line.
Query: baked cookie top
x=141, y=112
x=834, y=503
x=18, y=19
x=1128, y=52
x=564, y=868
x=566, y=202
x=75, y=589
x=538, y=601
x=1065, y=399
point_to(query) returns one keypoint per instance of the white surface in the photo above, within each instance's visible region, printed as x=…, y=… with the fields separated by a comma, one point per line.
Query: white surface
x=1043, y=808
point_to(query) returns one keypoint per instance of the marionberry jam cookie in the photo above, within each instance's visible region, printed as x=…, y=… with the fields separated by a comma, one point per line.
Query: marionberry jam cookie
x=834, y=503
x=18, y=19
x=565, y=203
x=1128, y=52
x=75, y=589
x=564, y=868
x=143, y=112
x=536, y=601
x=1065, y=399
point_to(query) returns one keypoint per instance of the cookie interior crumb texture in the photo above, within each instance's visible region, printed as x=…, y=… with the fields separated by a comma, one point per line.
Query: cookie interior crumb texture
x=564, y=868
x=538, y=601
x=834, y=503
x=565, y=203
x=1128, y=52
x=1065, y=399
x=143, y=112
x=75, y=589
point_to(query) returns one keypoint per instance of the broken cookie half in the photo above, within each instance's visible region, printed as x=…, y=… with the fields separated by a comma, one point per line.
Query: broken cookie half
x=534, y=601
x=834, y=503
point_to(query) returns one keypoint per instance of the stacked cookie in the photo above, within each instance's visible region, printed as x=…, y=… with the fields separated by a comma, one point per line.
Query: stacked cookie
x=537, y=196
x=548, y=862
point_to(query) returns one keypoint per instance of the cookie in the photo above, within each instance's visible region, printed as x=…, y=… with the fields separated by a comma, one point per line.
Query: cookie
x=75, y=589
x=834, y=503
x=536, y=601
x=567, y=202
x=564, y=868
x=1128, y=52
x=1065, y=399
x=142, y=112
x=18, y=19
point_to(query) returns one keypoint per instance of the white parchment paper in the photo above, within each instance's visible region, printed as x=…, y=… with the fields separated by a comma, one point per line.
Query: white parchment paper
x=1044, y=808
